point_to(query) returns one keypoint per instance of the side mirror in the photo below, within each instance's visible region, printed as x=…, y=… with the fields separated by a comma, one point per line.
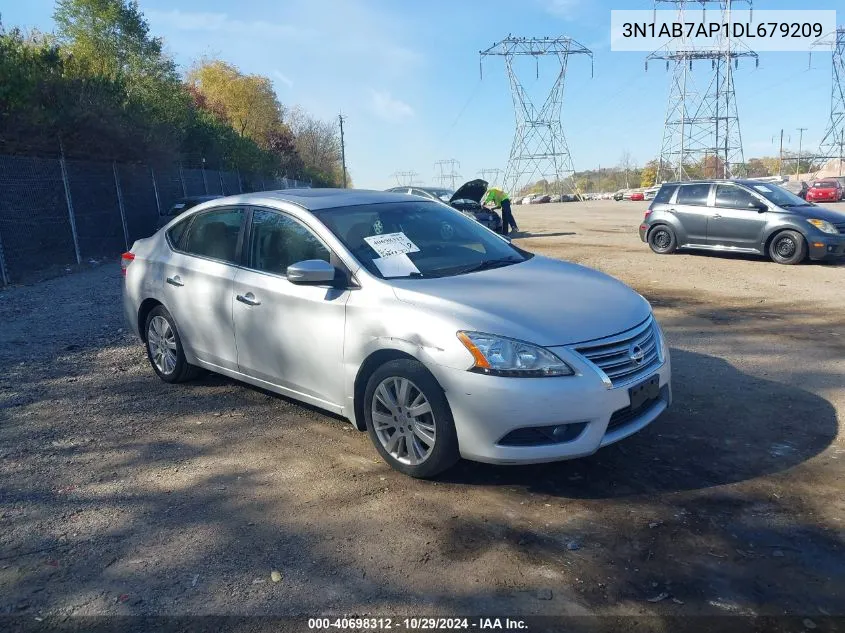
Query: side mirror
x=761, y=207
x=311, y=271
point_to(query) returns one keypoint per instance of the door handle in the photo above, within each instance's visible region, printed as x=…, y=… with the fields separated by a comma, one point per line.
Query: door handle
x=671, y=210
x=248, y=299
x=716, y=216
x=176, y=280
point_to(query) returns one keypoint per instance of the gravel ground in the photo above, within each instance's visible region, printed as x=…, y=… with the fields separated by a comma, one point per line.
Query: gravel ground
x=120, y=494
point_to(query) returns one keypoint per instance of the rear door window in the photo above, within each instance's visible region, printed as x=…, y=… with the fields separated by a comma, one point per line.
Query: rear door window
x=694, y=194
x=176, y=233
x=215, y=234
x=665, y=193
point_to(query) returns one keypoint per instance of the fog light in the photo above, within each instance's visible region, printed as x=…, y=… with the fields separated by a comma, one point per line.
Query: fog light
x=818, y=244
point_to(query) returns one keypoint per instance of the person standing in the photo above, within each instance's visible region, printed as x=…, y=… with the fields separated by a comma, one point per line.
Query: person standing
x=499, y=198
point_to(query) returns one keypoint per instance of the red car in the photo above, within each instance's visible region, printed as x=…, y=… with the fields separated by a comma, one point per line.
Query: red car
x=637, y=195
x=825, y=191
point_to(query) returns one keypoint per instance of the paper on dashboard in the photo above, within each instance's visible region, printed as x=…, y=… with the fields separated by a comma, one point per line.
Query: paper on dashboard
x=399, y=265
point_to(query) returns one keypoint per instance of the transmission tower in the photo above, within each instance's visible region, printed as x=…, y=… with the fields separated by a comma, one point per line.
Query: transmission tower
x=491, y=174
x=447, y=174
x=404, y=178
x=701, y=131
x=833, y=141
x=539, y=148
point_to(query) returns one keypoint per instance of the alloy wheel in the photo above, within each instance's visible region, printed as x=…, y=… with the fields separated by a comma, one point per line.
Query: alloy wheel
x=662, y=239
x=161, y=340
x=403, y=421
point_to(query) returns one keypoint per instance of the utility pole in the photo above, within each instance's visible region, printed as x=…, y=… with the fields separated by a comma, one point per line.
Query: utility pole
x=798, y=162
x=341, y=119
x=780, y=155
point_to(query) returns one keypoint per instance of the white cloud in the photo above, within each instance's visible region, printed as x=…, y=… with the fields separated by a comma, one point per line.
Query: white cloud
x=388, y=107
x=283, y=78
x=563, y=8
x=206, y=21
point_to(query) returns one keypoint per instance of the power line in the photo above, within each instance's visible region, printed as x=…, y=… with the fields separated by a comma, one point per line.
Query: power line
x=704, y=123
x=341, y=119
x=539, y=148
x=447, y=175
x=404, y=178
x=490, y=174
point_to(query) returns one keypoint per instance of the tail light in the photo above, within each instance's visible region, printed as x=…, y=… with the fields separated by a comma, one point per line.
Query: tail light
x=126, y=259
x=647, y=213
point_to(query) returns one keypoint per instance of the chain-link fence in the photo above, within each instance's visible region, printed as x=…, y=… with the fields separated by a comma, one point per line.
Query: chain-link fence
x=62, y=212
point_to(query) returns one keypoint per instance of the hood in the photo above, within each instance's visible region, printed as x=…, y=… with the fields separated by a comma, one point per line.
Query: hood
x=543, y=301
x=821, y=213
x=472, y=190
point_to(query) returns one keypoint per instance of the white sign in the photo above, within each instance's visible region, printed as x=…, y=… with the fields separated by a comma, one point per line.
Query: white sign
x=391, y=244
x=396, y=265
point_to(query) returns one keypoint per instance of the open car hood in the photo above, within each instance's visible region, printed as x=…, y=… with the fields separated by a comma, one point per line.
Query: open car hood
x=472, y=190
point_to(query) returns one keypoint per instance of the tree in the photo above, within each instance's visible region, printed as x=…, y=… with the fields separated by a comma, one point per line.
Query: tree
x=648, y=175
x=318, y=145
x=111, y=38
x=248, y=102
x=627, y=164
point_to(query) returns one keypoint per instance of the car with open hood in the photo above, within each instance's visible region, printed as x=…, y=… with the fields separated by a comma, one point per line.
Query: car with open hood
x=467, y=200
x=434, y=335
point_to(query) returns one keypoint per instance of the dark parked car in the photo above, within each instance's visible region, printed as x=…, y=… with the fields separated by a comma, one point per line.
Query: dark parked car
x=742, y=216
x=466, y=199
x=180, y=206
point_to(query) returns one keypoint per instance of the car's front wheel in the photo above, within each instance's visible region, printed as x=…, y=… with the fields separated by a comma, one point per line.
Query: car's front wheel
x=164, y=347
x=788, y=247
x=409, y=420
x=662, y=239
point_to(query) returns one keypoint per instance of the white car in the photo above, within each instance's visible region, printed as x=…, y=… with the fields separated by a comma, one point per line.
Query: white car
x=389, y=310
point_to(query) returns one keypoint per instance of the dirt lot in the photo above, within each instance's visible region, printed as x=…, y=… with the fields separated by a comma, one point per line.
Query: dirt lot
x=124, y=495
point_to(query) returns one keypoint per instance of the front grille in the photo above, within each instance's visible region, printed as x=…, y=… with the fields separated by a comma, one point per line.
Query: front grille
x=615, y=355
x=623, y=416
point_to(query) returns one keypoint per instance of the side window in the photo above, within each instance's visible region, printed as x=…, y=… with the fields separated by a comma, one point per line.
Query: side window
x=215, y=234
x=177, y=232
x=693, y=194
x=730, y=197
x=665, y=193
x=277, y=241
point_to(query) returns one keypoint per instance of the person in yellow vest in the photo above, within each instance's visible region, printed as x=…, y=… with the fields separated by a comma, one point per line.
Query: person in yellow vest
x=495, y=198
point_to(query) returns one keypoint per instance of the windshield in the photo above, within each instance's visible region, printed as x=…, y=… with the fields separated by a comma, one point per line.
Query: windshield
x=417, y=239
x=442, y=193
x=780, y=196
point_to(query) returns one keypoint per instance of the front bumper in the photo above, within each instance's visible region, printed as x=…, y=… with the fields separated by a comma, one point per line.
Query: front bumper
x=486, y=408
x=825, y=246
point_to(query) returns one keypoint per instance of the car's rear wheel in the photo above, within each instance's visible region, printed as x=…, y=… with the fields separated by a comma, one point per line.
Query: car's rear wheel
x=164, y=347
x=662, y=239
x=409, y=420
x=788, y=247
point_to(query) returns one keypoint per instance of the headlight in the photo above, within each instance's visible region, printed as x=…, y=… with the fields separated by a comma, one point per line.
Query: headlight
x=823, y=225
x=499, y=356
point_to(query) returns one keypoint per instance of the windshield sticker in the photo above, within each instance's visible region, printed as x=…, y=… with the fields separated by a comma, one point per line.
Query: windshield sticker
x=762, y=188
x=378, y=227
x=391, y=244
x=396, y=265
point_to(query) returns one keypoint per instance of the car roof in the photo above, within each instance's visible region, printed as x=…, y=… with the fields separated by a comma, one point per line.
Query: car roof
x=708, y=181
x=200, y=198
x=320, y=199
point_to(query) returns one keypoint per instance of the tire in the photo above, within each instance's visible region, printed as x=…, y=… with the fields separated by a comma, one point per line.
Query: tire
x=171, y=367
x=420, y=446
x=788, y=247
x=662, y=240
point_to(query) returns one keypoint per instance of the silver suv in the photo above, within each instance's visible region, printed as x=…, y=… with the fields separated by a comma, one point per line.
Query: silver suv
x=743, y=216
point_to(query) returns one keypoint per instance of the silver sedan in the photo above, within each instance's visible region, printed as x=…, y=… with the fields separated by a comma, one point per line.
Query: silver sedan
x=438, y=337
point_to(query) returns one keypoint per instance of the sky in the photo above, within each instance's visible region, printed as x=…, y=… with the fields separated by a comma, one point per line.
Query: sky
x=407, y=76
